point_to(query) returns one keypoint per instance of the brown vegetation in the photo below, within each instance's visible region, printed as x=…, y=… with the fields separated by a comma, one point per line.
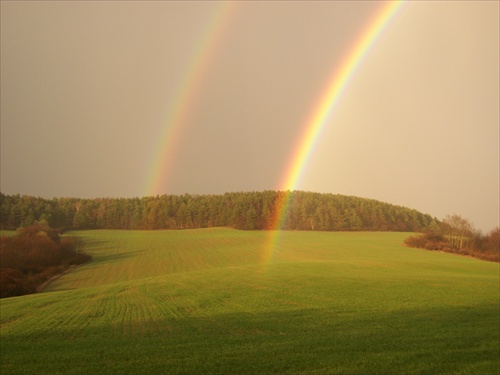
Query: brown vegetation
x=33, y=256
x=457, y=235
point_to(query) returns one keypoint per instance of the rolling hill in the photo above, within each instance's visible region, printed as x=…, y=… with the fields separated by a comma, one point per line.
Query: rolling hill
x=220, y=300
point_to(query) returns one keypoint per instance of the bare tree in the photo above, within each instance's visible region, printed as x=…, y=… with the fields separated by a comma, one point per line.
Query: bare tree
x=458, y=231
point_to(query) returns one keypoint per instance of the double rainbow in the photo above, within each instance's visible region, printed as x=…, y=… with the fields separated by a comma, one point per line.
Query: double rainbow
x=322, y=114
x=319, y=119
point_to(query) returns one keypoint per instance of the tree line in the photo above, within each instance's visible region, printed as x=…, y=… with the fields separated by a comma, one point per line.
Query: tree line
x=456, y=234
x=33, y=256
x=240, y=210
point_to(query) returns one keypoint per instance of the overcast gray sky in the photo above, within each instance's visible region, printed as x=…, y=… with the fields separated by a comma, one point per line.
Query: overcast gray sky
x=87, y=89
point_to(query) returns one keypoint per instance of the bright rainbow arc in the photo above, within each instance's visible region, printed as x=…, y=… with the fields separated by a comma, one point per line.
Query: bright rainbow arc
x=323, y=112
x=186, y=96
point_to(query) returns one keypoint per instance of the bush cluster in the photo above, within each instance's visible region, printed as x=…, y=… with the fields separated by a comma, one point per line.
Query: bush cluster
x=33, y=256
x=485, y=247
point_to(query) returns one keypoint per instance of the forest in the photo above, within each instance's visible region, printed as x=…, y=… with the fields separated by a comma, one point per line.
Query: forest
x=240, y=210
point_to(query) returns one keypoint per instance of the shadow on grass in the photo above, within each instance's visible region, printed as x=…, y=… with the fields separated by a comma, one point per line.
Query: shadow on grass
x=94, y=247
x=460, y=340
x=92, y=243
x=113, y=257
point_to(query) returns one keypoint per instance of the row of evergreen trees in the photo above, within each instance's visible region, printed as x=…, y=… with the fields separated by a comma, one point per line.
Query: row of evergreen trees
x=241, y=210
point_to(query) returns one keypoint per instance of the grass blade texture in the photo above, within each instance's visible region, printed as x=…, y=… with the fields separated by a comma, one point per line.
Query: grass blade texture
x=202, y=301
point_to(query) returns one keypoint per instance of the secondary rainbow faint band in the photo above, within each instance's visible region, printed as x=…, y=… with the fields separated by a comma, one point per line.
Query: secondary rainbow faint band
x=185, y=99
x=322, y=114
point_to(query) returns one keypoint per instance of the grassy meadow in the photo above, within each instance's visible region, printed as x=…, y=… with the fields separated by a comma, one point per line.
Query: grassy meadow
x=203, y=301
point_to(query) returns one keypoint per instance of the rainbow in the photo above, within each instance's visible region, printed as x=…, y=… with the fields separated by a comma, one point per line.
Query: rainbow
x=322, y=113
x=187, y=92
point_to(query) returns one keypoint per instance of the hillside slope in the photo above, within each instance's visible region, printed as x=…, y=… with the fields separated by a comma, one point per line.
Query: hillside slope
x=215, y=301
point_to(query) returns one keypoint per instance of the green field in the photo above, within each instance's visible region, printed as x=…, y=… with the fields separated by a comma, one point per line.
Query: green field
x=202, y=301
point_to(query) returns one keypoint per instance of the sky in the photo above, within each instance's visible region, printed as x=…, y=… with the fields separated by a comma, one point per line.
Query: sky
x=130, y=99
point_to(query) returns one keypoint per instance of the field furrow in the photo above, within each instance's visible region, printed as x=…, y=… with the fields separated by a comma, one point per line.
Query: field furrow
x=200, y=301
